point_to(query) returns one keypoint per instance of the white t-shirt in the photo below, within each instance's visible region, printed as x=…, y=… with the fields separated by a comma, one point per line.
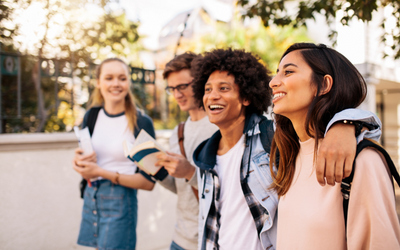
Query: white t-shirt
x=108, y=134
x=238, y=230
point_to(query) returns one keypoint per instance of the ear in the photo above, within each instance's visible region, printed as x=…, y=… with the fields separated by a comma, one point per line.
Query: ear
x=97, y=84
x=246, y=102
x=327, y=85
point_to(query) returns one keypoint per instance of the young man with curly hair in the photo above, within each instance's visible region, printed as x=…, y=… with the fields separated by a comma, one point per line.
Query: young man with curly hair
x=237, y=208
x=183, y=177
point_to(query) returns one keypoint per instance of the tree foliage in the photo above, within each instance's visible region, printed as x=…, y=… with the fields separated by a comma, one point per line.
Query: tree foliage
x=71, y=33
x=275, y=12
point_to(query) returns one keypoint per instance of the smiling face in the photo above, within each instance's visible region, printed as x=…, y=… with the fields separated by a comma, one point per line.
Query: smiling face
x=222, y=100
x=292, y=87
x=184, y=97
x=113, y=82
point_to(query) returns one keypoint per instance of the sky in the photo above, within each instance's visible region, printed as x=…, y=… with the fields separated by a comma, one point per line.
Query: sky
x=154, y=14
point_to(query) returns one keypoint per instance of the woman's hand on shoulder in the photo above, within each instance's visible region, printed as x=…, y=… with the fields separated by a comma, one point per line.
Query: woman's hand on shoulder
x=336, y=154
x=79, y=156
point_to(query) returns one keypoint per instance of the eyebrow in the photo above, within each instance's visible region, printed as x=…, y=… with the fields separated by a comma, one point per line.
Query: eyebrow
x=219, y=83
x=287, y=65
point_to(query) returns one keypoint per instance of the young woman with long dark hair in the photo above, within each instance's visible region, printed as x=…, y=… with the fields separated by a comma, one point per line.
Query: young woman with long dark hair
x=314, y=82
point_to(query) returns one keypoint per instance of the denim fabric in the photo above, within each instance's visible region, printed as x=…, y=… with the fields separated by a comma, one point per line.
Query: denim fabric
x=109, y=217
x=175, y=246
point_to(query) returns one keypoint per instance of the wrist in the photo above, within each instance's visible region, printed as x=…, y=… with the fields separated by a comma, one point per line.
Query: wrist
x=190, y=173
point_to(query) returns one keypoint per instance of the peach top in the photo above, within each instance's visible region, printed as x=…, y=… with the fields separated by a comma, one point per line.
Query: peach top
x=311, y=216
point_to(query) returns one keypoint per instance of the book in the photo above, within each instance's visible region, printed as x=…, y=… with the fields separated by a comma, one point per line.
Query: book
x=143, y=152
x=85, y=143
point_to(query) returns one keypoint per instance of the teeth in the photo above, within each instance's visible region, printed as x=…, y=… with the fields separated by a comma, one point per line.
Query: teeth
x=216, y=107
x=279, y=95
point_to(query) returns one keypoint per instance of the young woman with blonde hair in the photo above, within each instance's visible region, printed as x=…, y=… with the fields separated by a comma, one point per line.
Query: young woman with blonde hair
x=109, y=215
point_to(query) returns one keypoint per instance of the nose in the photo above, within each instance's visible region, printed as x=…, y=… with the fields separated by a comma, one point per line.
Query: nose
x=214, y=94
x=115, y=82
x=177, y=94
x=275, y=82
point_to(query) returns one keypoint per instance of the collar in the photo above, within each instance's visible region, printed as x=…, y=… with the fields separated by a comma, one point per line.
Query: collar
x=205, y=155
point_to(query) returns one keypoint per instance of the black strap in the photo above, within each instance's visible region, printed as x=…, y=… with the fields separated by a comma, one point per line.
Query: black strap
x=91, y=121
x=92, y=117
x=346, y=183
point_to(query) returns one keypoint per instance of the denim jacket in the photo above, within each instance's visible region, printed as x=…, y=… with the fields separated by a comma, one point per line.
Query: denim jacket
x=258, y=179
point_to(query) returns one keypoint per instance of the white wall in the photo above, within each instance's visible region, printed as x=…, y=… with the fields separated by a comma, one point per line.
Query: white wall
x=40, y=207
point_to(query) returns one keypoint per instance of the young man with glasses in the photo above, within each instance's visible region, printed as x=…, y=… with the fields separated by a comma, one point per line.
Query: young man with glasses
x=183, y=175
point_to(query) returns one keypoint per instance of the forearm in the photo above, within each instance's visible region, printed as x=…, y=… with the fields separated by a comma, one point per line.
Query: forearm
x=136, y=181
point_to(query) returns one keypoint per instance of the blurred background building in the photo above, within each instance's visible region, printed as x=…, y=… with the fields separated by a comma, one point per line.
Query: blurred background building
x=48, y=53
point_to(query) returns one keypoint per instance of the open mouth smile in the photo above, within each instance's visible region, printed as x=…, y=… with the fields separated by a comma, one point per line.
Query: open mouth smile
x=277, y=96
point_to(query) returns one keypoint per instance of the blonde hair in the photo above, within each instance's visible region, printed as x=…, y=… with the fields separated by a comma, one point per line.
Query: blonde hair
x=96, y=99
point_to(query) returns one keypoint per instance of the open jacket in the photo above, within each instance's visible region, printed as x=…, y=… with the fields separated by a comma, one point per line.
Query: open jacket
x=255, y=177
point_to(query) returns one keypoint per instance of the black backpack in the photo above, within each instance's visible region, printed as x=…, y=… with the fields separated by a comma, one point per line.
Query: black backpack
x=346, y=183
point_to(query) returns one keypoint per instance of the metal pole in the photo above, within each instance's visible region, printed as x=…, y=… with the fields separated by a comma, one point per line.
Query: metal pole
x=1, y=116
x=382, y=110
x=72, y=77
x=19, y=87
x=41, y=115
x=56, y=86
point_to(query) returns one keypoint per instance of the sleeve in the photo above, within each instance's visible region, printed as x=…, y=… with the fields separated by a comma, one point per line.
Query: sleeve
x=359, y=115
x=372, y=219
x=193, y=181
x=145, y=175
x=169, y=183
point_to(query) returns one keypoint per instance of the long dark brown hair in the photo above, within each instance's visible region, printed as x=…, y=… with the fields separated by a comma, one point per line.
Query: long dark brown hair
x=348, y=91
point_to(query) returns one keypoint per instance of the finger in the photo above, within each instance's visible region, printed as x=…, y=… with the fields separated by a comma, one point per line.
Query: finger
x=339, y=167
x=330, y=171
x=161, y=155
x=348, y=166
x=83, y=164
x=320, y=168
x=78, y=151
x=174, y=154
x=77, y=169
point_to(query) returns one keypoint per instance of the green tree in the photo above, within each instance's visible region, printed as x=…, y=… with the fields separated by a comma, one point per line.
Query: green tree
x=268, y=43
x=68, y=33
x=275, y=12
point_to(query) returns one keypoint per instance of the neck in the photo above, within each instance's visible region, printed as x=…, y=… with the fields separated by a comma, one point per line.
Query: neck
x=197, y=114
x=114, y=108
x=231, y=135
x=298, y=125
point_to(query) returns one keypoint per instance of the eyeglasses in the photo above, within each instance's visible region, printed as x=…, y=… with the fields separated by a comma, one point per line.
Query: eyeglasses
x=180, y=87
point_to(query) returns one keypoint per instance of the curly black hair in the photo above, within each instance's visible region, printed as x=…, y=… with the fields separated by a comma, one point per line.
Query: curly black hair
x=251, y=76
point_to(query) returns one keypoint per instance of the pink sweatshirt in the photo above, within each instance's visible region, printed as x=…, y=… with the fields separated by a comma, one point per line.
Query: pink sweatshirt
x=311, y=216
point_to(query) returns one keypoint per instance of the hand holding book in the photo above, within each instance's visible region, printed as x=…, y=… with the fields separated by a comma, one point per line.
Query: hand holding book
x=144, y=153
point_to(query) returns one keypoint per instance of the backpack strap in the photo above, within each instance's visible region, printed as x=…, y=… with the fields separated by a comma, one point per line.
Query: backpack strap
x=346, y=183
x=181, y=128
x=267, y=133
x=91, y=121
x=92, y=117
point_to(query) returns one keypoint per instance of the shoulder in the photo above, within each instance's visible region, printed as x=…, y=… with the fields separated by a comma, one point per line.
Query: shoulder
x=369, y=161
x=144, y=122
x=89, y=115
x=143, y=118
